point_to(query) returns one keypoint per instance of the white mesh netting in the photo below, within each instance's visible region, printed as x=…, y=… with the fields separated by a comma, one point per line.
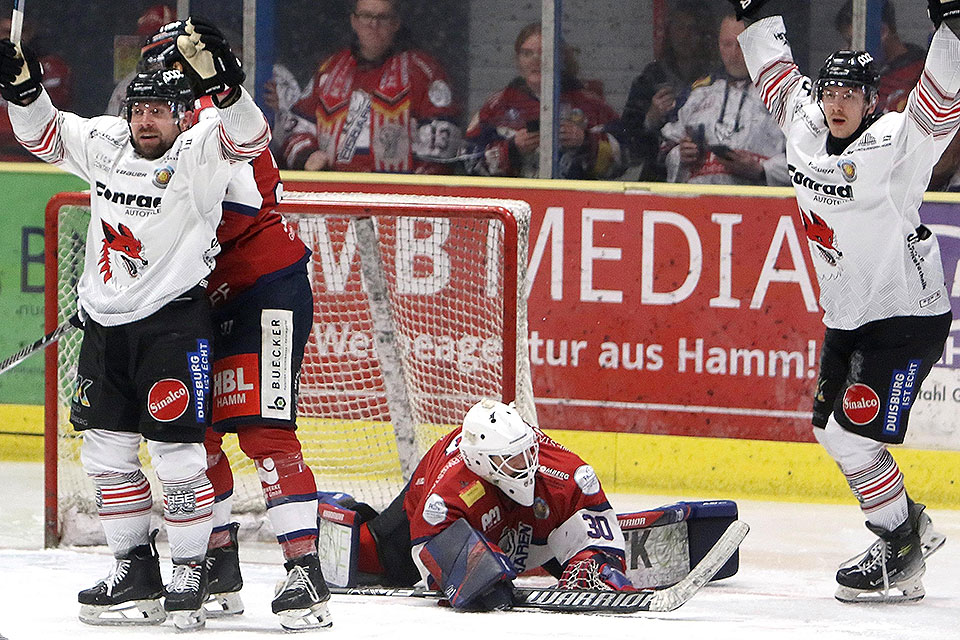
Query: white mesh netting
x=409, y=331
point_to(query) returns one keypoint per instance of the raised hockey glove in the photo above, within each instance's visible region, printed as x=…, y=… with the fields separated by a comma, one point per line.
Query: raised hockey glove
x=591, y=569
x=20, y=73
x=207, y=60
x=746, y=8
x=940, y=11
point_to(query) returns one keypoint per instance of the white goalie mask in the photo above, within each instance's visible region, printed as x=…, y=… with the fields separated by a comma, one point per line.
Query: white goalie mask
x=501, y=448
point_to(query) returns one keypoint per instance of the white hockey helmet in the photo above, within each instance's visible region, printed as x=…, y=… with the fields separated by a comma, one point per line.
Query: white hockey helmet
x=501, y=448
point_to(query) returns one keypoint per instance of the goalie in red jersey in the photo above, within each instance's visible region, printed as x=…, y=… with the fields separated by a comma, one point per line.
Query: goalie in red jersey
x=515, y=499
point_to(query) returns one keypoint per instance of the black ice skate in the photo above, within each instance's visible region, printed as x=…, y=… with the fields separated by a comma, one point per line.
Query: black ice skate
x=301, y=599
x=130, y=594
x=186, y=594
x=894, y=563
x=930, y=539
x=223, y=578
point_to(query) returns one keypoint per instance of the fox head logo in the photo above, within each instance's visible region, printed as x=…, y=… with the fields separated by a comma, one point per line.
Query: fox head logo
x=126, y=249
x=820, y=233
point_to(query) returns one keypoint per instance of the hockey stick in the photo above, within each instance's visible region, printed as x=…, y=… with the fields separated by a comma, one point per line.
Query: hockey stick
x=583, y=601
x=16, y=21
x=66, y=327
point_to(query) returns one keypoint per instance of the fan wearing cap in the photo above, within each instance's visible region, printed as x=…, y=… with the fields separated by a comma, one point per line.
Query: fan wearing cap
x=859, y=179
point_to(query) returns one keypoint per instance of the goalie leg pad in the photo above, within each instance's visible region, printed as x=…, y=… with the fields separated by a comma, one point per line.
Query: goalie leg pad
x=662, y=545
x=470, y=571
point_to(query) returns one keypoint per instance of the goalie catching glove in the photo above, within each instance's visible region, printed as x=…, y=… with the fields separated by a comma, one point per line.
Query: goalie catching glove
x=594, y=570
x=20, y=73
x=203, y=55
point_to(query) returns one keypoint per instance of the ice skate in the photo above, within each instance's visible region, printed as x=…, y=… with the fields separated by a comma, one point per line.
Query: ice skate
x=223, y=579
x=889, y=571
x=130, y=594
x=186, y=594
x=301, y=599
x=930, y=539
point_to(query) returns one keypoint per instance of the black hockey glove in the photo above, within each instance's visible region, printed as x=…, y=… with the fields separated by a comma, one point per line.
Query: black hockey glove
x=207, y=60
x=746, y=8
x=20, y=73
x=938, y=10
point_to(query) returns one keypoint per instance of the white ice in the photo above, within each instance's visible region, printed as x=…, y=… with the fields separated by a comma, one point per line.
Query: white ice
x=784, y=589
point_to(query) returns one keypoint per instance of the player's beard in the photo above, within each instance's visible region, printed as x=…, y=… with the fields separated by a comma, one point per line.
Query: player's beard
x=154, y=146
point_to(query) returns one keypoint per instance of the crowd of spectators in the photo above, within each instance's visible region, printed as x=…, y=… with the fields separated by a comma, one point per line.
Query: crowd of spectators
x=385, y=104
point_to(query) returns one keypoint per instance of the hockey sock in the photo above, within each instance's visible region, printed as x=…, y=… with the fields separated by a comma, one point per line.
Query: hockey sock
x=187, y=497
x=124, y=502
x=879, y=488
x=368, y=561
x=221, y=477
x=288, y=487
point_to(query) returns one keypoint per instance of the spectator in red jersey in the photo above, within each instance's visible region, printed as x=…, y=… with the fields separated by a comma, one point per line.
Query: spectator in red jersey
x=900, y=62
x=504, y=136
x=378, y=105
x=57, y=82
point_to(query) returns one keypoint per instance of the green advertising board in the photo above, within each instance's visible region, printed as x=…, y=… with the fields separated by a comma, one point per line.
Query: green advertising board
x=24, y=191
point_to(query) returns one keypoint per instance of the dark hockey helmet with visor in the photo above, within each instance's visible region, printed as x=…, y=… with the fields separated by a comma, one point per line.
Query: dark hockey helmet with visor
x=169, y=85
x=849, y=69
x=159, y=51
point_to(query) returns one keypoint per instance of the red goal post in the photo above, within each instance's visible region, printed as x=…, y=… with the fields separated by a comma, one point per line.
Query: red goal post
x=419, y=310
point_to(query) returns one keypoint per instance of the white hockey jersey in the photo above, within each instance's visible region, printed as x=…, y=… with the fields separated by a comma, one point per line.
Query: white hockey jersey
x=860, y=209
x=153, y=223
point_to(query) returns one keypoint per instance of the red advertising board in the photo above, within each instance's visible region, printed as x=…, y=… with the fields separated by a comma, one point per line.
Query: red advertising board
x=683, y=314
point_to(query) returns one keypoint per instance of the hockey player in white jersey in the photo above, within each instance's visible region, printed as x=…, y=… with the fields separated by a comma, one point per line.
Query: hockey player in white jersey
x=143, y=372
x=859, y=179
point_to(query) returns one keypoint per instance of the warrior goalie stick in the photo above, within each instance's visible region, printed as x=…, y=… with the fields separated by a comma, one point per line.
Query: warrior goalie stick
x=66, y=327
x=589, y=601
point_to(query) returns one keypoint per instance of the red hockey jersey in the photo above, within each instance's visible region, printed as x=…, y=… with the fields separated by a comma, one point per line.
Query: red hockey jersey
x=395, y=116
x=570, y=512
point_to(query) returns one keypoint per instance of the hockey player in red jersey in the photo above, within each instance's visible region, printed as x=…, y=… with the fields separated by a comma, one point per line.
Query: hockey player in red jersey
x=528, y=501
x=379, y=105
x=859, y=178
x=143, y=369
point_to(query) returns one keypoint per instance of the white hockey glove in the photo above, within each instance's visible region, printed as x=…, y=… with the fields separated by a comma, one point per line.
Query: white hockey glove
x=206, y=58
x=20, y=73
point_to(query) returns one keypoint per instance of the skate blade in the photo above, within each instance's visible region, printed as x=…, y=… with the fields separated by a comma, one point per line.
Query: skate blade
x=316, y=617
x=931, y=542
x=189, y=620
x=910, y=590
x=135, y=612
x=221, y=605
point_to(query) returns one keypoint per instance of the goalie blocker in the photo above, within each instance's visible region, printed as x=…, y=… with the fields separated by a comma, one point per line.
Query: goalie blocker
x=662, y=545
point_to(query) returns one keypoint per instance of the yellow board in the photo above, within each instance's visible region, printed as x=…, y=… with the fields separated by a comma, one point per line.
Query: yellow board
x=681, y=466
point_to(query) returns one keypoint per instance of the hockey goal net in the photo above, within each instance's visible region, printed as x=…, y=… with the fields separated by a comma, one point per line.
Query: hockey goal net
x=419, y=311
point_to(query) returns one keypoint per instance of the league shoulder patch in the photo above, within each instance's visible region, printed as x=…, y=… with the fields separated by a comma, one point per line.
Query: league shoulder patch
x=434, y=510
x=586, y=479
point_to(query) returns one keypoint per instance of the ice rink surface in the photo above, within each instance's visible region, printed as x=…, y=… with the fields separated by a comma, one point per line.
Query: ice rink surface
x=784, y=589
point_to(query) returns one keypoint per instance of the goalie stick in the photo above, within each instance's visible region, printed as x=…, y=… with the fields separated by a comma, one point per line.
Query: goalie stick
x=66, y=327
x=590, y=601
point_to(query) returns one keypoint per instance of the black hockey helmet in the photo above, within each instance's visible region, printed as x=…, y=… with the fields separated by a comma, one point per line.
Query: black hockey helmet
x=159, y=51
x=849, y=69
x=162, y=84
